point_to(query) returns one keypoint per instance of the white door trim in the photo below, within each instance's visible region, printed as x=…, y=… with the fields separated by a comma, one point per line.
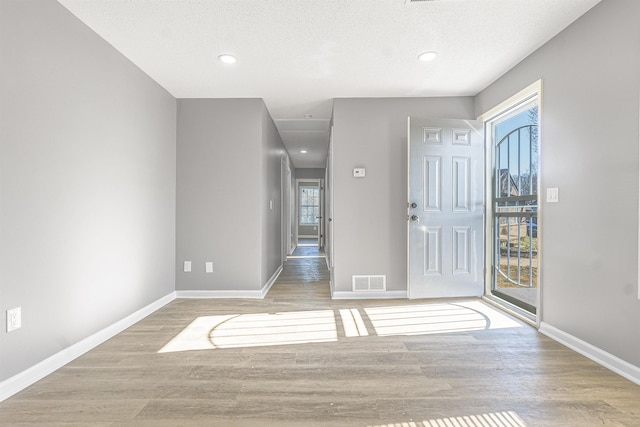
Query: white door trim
x=285, y=208
x=534, y=90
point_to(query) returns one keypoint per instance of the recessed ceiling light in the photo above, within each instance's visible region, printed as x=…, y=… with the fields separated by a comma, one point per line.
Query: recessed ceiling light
x=227, y=58
x=427, y=56
x=303, y=151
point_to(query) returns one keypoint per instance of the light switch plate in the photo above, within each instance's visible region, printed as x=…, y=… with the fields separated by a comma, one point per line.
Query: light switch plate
x=208, y=267
x=552, y=195
x=187, y=266
x=359, y=172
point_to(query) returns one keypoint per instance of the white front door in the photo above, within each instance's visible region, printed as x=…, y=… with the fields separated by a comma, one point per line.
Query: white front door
x=446, y=228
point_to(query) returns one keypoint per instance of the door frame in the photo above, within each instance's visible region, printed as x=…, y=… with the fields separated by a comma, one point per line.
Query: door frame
x=328, y=214
x=286, y=214
x=321, y=216
x=319, y=183
x=532, y=91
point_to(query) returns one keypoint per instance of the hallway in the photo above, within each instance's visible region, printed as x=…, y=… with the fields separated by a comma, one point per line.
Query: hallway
x=298, y=358
x=304, y=281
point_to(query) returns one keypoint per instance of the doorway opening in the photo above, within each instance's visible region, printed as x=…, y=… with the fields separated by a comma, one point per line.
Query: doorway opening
x=309, y=212
x=304, y=270
x=309, y=219
x=513, y=146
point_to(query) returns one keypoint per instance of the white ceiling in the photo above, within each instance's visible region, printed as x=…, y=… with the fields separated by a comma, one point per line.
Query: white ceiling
x=300, y=54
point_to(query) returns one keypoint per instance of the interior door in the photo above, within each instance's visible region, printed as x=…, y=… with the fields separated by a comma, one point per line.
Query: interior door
x=321, y=214
x=285, y=173
x=445, y=209
x=329, y=203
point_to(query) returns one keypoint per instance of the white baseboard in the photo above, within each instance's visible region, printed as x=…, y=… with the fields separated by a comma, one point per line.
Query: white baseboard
x=230, y=293
x=609, y=361
x=24, y=379
x=271, y=281
x=368, y=295
x=213, y=294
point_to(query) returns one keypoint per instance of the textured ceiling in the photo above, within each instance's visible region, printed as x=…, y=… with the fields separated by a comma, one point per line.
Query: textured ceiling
x=300, y=54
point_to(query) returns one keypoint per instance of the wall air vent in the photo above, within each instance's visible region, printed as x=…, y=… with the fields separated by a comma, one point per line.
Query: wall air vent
x=369, y=283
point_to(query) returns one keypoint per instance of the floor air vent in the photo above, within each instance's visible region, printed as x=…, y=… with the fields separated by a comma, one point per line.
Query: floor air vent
x=369, y=283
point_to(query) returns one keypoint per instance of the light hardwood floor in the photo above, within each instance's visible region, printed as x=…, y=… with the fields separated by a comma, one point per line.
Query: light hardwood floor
x=463, y=373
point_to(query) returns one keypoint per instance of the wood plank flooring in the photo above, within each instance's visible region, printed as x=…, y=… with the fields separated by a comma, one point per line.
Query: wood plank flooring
x=503, y=376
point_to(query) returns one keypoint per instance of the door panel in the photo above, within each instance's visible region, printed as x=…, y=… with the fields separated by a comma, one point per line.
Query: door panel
x=461, y=184
x=446, y=209
x=461, y=250
x=432, y=183
x=432, y=251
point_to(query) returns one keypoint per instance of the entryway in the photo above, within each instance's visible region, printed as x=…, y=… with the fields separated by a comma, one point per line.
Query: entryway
x=513, y=147
x=309, y=212
x=473, y=206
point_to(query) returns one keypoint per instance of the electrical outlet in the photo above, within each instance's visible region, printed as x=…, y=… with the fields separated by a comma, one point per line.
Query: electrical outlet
x=14, y=319
x=552, y=195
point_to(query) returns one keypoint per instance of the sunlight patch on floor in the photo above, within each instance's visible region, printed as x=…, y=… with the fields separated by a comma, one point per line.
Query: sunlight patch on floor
x=315, y=326
x=437, y=318
x=352, y=323
x=493, y=419
x=253, y=330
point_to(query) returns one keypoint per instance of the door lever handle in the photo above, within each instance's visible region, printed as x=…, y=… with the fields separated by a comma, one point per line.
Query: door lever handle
x=415, y=218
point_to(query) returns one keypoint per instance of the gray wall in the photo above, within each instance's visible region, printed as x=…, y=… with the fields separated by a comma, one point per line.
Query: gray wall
x=87, y=183
x=273, y=155
x=589, y=252
x=370, y=214
x=310, y=173
x=229, y=160
x=307, y=230
x=219, y=193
